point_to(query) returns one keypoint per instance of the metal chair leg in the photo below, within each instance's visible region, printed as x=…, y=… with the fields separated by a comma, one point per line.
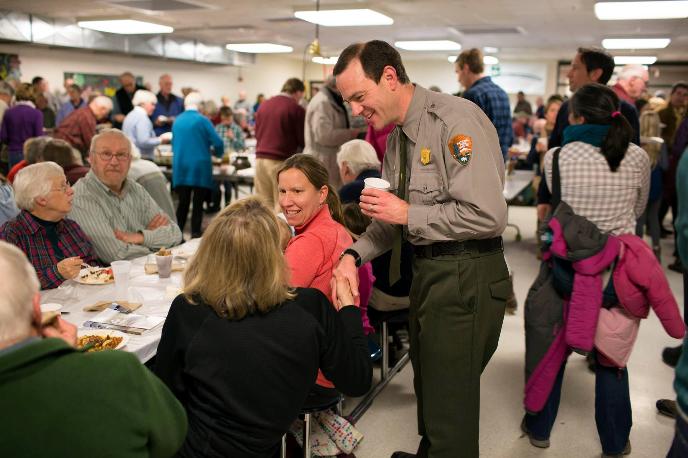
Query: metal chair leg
x=283, y=449
x=385, y=351
x=307, y=435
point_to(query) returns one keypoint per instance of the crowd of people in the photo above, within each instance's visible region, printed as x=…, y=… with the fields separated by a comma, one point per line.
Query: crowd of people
x=292, y=305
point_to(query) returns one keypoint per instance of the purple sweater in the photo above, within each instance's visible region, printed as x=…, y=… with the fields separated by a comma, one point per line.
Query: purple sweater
x=20, y=123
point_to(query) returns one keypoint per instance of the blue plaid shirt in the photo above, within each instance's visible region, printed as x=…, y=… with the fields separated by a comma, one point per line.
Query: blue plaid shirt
x=495, y=104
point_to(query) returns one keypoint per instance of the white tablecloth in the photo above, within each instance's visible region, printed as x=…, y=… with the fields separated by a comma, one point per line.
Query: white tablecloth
x=516, y=182
x=154, y=293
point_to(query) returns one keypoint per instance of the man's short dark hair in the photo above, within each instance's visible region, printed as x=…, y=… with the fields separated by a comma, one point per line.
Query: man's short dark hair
x=679, y=85
x=36, y=80
x=293, y=85
x=374, y=57
x=226, y=112
x=595, y=58
x=473, y=58
x=75, y=87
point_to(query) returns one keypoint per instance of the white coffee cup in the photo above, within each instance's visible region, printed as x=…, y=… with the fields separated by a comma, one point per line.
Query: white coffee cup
x=377, y=183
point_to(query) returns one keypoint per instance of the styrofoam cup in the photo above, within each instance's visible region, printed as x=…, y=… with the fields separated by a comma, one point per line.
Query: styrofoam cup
x=377, y=183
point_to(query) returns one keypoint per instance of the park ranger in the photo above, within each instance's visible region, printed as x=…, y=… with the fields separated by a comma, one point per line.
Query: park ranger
x=446, y=172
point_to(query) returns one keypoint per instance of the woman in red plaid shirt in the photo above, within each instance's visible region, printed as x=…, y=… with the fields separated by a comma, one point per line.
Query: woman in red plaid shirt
x=55, y=245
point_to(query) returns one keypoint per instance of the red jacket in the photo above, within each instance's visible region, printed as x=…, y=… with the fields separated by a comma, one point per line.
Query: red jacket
x=279, y=128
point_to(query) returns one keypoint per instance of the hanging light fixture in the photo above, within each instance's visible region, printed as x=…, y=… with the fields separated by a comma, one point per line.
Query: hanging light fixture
x=314, y=47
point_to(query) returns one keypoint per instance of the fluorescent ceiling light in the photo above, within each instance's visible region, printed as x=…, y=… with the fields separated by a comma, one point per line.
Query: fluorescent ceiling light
x=487, y=60
x=258, y=48
x=635, y=43
x=344, y=18
x=428, y=45
x=490, y=49
x=325, y=60
x=640, y=60
x=125, y=26
x=641, y=10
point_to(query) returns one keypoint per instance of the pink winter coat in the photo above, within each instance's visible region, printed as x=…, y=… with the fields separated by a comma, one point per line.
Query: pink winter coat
x=639, y=282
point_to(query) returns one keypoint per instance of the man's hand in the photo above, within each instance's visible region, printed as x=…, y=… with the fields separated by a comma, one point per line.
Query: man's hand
x=345, y=275
x=118, y=118
x=384, y=206
x=61, y=329
x=158, y=220
x=165, y=140
x=229, y=133
x=340, y=286
x=135, y=238
x=69, y=267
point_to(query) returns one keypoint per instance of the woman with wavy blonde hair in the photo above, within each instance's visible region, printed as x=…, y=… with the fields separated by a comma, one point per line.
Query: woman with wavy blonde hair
x=241, y=349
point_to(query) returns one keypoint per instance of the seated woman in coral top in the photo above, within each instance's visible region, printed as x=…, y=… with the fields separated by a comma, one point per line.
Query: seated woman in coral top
x=312, y=207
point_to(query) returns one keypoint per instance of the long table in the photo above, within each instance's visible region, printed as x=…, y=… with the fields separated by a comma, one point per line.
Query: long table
x=154, y=293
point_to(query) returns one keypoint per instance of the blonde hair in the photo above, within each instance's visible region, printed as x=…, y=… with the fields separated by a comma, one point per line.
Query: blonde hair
x=239, y=268
x=20, y=283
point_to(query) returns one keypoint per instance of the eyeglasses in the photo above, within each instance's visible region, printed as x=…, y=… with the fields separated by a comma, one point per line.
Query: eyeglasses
x=63, y=188
x=107, y=156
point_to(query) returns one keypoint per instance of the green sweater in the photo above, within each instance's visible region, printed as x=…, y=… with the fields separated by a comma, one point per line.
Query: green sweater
x=56, y=401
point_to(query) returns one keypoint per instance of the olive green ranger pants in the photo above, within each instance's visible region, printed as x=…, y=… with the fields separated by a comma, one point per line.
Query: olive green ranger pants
x=456, y=314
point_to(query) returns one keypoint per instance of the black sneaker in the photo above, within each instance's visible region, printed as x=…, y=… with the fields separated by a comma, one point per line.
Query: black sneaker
x=539, y=443
x=671, y=355
x=667, y=407
x=676, y=266
x=403, y=455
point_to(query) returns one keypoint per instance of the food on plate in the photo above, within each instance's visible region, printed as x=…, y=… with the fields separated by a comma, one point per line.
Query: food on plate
x=99, y=342
x=97, y=275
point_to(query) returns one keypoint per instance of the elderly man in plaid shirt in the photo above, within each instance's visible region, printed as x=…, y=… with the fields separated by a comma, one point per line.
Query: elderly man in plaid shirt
x=487, y=95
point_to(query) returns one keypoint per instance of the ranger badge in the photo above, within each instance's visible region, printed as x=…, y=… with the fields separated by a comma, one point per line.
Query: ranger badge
x=425, y=156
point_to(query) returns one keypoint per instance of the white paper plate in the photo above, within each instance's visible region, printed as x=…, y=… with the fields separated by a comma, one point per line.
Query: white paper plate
x=105, y=332
x=50, y=307
x=78, y=279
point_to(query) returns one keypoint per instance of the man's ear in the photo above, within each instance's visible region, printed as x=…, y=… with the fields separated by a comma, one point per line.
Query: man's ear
x=389, y=76
x=36, y=311
x=595, y=74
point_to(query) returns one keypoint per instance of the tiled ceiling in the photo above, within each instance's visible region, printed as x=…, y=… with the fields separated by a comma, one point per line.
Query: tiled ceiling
x=523, y=29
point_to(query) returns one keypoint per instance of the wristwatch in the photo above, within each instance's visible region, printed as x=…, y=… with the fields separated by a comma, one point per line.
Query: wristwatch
x=354, y=253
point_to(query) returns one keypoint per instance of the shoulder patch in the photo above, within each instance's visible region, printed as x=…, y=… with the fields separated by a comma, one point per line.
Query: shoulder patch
x=461, y=148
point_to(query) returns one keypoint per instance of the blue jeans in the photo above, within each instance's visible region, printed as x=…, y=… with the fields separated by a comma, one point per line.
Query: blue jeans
x=613, y=414
x=679, y=448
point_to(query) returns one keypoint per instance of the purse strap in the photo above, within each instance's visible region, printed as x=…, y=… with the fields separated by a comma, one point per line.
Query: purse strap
x=556, y=180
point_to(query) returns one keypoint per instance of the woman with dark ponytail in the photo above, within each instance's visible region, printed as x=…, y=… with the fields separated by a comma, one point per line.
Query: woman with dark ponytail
x=604, y=176
x=606, y=179
x=313, y=208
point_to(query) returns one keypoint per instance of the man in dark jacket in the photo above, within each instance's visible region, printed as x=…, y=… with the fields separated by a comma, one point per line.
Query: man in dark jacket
x=590, y=65
x=121, y=102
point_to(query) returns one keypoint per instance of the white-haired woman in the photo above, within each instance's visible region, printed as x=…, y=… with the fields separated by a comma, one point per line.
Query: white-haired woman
x=357, y=160
x=192, y=169
x=138, y=126
x=55, y=245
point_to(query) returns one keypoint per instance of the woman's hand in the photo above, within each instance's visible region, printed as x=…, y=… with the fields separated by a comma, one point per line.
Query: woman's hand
x=69, y=267
x=343, y=290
